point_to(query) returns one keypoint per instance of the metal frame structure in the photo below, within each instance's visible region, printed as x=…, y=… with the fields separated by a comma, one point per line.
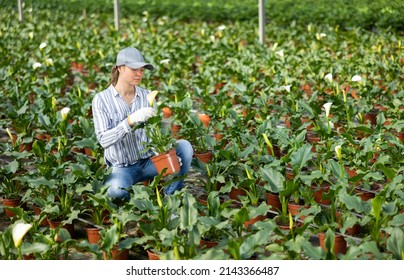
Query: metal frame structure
x=261, y=17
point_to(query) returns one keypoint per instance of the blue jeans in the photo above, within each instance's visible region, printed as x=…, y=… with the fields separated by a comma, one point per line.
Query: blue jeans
x=123, y=178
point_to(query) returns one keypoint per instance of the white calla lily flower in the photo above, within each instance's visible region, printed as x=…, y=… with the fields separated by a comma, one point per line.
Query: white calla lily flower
x=328, y=77
x=36, y=65
x=19, y=231
x=151, y=96
x=221, y=27
x=165, y=61
x=320, y=35
x=327, y=107
x=356, y=78
x=338, y=151
x=49, y=61
x=64, y=112
x=280, y=53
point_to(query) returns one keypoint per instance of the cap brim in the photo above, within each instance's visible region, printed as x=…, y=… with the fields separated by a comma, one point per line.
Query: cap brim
x=137, y=65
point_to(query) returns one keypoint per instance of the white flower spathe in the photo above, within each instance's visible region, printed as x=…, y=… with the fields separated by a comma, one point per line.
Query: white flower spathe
x=287, y=88
x=356, y=78
x=19, y=231
x=36, y=65
x=221, y=27
x=327, y=107
x=328, y=77
x=64, y=112
x=42, y=45
x=165, y=61
x=338, y=152
x=151, y=96
x=320, y=35
x=280, y=53
x=49, y=61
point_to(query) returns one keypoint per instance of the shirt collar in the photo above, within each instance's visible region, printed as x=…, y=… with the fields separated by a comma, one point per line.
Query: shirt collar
x=116, y=93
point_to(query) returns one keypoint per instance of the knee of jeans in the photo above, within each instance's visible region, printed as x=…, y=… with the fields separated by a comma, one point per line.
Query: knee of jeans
x=117, y=192
x=185, y=148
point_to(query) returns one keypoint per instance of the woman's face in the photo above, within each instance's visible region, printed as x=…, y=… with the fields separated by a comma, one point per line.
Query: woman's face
x=130, y=76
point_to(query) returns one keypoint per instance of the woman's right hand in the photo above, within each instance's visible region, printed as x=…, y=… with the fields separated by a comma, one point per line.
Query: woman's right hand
x=141, y=115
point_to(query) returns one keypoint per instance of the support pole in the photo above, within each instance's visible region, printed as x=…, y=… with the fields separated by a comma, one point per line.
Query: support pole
x=261, y=20
x=116, y=14
x=20, y=11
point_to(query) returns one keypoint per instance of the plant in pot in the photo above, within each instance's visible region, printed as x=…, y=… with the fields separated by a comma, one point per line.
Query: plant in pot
x=94, y=209
x=275, y=138
x=300, y=194
x=330, y=238
x=328, y=220
x=275, y=183
x=163, y=144
x=180, y=108
x=13, y=186
x=183, y=241
x=200, y=136
x=215, y=228
x=115, y=241
x=157, y=213
x=61, y=206
x=22, y=120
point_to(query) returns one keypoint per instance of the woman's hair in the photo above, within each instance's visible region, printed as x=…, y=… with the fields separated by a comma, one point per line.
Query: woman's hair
x=114, y=75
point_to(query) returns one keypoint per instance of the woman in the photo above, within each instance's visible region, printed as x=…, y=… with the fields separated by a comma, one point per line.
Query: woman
x=115, y=111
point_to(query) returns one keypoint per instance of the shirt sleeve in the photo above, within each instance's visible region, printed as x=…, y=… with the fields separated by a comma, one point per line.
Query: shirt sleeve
x=109, y=128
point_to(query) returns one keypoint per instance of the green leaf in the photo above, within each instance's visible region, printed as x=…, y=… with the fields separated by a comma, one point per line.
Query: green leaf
x=301, y=156
x=397, y=220
x=313, y=252
x=353, y=202
x=274, y=179
x=111, y=237
x=249, y=245
x=233, y=247
x=395, y=243
x=188, y=212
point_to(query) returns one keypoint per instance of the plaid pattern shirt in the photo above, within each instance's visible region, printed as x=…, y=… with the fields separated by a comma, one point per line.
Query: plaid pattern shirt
x=122, y=145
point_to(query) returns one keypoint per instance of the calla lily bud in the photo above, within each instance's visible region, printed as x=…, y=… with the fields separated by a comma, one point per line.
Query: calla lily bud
x=290, y=221
x=151, y=97
x=248, y=174
x=159, y=202
x=10, y=135
x=356, y=78
x=338, y=152
x=64, y=112
x=327, y=107
x=19, y=232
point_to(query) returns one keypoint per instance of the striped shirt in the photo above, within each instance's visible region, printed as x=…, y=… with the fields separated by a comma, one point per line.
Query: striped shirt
x=122, y=145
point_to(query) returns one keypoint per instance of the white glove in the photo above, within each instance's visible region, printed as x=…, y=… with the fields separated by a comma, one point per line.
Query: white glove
x=141, y=115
